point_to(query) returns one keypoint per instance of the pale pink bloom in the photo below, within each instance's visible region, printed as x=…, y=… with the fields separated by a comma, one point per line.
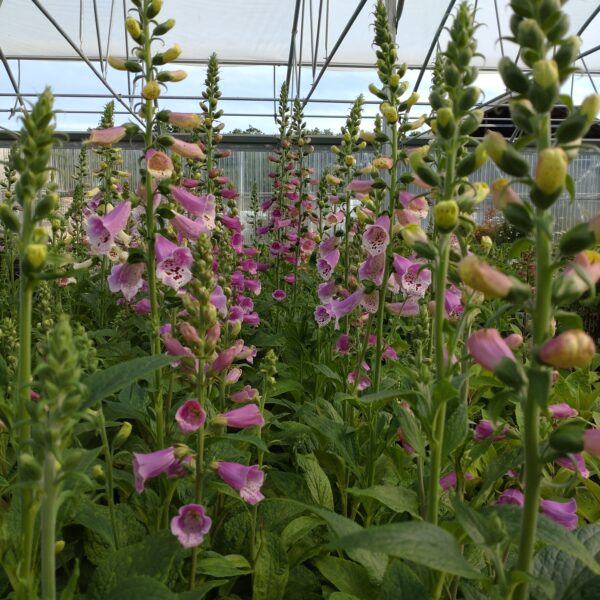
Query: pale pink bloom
x=245, y=480
x=190, y=416
x=186, y=149
x=514, y=340
x=159, y=165
x=410, y=308
x=327, y=264
x=363, y=186
x=574, y=462
x=172, y=263
x=326, y=290
x=107, y=136
x=190, y=525
x=219, y=300
x=487, y=348
x=341, y=308
x=102, y=230
x=323, y=315
x=372, y=269
x=562, y=411
x=246, y=394
x=187, y=228
x=127, y=279
x=376, y=237
x=591, y=441
x=363, y=383
x=233, y=376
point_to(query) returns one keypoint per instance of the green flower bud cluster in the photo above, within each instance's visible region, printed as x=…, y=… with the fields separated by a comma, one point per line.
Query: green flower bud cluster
x=88, y=358
x=350, y=142
x=268, y=367
x=9, y=344
x=44, y=310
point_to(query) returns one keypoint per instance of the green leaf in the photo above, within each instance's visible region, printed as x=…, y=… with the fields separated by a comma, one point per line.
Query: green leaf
x=397, y=498
x=202, y=589
x=379, y=397
x=271, y=570
x=68, y=592
x=520, y=246
x=570, y=185
x=141, y=588
x=419, y=542
x=325, y=370
x=401, y=583
x=297, y=529
x=572, y=580
x=316, y=480
x=216, y=565
x=284, y=386
x=347, y=576
x=483, y=530
x=457, y=427
x=410, y=430
x=104, y=383
x=568, y=320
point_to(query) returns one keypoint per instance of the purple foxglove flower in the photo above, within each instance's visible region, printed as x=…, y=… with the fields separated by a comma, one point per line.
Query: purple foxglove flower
x=175, y=348
x=323, y=315
x=389, y=354
x=165, y=329
x=376, y=237
x=263, y=229
x=563, y=513
x=407, y=447
x=232, y=223
x=236, y=314
x=243, y=417
x=449, y=481
x=415, y=204
x=246, y=303
x=159, y=165
x=363, y=383
x=251, y=251
x=225, y=359
x=511, y=496
x=147, y=466
x=276, y=248
x=233, y=376
x=326, y=291
x=172, y=263
x=372, y=269
x=188, y=182
x=189, y=333
x=190, y=416
x=219, y=300
x=245, y=480
x=514, y=340
x=249, y=266
x=362, y=186
x=562, y=411
x=327, y=264
x=341, y=308
x=127, y=279
x=246, y=394
x=142, y=307
x=328, y=245
x=251, y=319
x=199, y=206
x=370, y=302
x=186, y=149
x=237, y=280
x=290, y=278
x=487, y=348
x=107, y=136
x=253, y=285
x=279, y=295
x=190, y=525
x=574, y=462
x=229, y=194
x=237, y=242
x=485, y=429
x=248, y=353
x=410, y=308
x=591, y=441
x=452, y=302
x=407, y=217
x=102, y=230
x=187, y=228
x=343, y=344
x=571, y=349
x=415, y=281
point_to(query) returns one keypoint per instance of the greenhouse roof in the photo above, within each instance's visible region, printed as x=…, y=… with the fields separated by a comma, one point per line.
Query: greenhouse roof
x=273, y=37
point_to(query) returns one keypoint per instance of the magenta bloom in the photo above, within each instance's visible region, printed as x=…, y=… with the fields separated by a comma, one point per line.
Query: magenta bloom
x=485, y=429
x=341, y=308
x=323, y=315
x=142, y=307
x=102, y=230
x=243, y=417
x=246, y=394
x=147, y=466
x=370, y=302
x=363, y=383
x=326, y=291
x=172, y=263
x=452, y=302
x=199, y=206
x=562, y=411
x=127, y=279
x=564, y=513
x=253, y=285
x=225, y=358
x=487, y=348
x=245, y=480
x=389, y=354
x=449, y=481
x=290, y=278
x=279, y=295
x=190, y=525
x=591, y=441
x=376, y=237
x=190, y=416
x=511, y=496
x=343, y=344
x=328, y=245
x=219, y=300
x=574, y=462
x=327, y=264
x=187, y=228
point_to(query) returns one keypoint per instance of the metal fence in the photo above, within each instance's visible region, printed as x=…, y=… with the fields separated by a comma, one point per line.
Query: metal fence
x=248, y=166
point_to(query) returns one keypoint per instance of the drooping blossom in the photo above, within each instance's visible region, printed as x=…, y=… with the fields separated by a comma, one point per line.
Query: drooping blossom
x=279, y=295
x=389, y=353
x=485, y=429
x=159, y=165
x=172, y=263
x=370, y=302
x=102, y=230
x=449, y=481
x=186, y=149
x=341, y=308
x=511, y=496
x=175, y=348
x=233, y=376
x=190, y=416
x=481, y=277
x=187, y=228
x=363, y=383
x=245, y=480
x=410, y=308
x=562, y=410
x=563, y=513
x=514, y=340
x=328, y=245
x=107, y=136
x=190, y=525
x=199, y=206
x=219, y=300
x=242, y=418
x=574, y=462
x=372, y=269
x=376, y=237
x=363, y=186
x=224, y=359
x=591, y=441
x=150, y=465
x=246, y=394
x=327, y=264
x=127, y=279
x=571, y=349
x=326, y=291
x=453, y=302
x=343, y=344
x=488, y=349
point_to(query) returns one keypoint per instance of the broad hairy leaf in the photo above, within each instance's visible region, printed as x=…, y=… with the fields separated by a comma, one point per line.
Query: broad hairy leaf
x=396, y=497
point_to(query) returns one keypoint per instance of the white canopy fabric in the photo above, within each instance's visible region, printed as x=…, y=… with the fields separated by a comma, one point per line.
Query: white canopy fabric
x=259, y=31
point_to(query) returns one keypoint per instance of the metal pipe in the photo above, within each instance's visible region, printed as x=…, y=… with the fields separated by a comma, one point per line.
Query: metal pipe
x=314, y=65
x=13, y=82
x=292, y=44
x=399, y=10
x=85, y=59
x=589, y=20
x=99, y=41
x=499, y=28
x=433, y=43
x=335, y=48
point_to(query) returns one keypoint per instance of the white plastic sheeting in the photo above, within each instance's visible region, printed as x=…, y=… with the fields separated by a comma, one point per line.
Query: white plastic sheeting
x=259, y=31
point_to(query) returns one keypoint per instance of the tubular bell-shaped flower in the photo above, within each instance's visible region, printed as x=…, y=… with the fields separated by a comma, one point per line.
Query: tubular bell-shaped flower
x=102, y=230
x=172, y=263
x=245, y=480
x=190, y=525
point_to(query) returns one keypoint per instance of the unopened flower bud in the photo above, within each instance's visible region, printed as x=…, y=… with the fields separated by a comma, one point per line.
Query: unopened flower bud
x=486, y=243
x=134, y=28
x=389, y=113
x=504, y=155
x=151, y=90
x=59, y=546
x=572, y=349
x=122, y=435
x=36, y=256
x=546, y=85
x=567, y=438
x=98, y=473
x=164, y=27
x=446, y=215
x=550, y=176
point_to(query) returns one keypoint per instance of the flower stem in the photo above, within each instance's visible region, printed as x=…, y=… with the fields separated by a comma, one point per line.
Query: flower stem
x=48, y=529
x=110, y=487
